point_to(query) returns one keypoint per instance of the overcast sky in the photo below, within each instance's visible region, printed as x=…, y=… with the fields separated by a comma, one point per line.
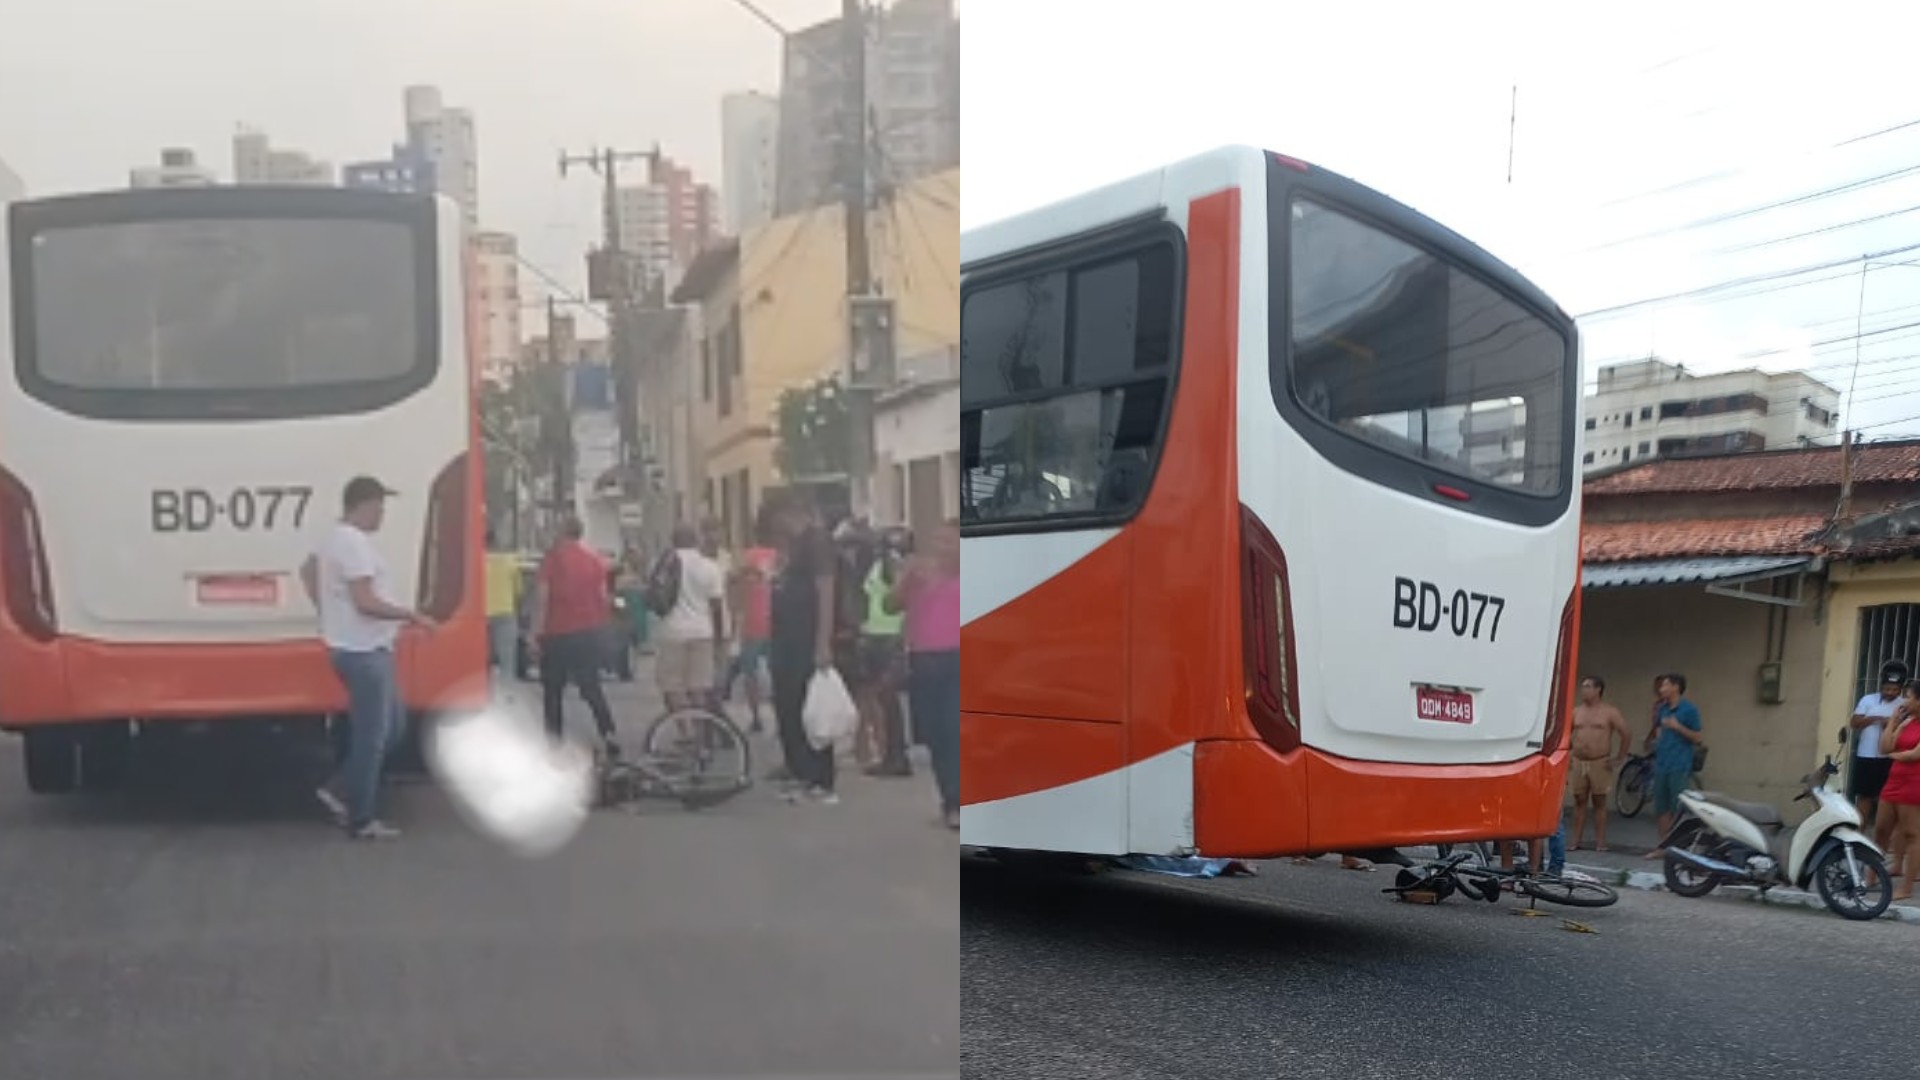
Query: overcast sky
x=92, y=88
x=1616, y=102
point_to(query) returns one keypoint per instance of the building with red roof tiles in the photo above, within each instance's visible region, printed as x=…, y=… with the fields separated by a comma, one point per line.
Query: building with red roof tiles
x=1778, y=582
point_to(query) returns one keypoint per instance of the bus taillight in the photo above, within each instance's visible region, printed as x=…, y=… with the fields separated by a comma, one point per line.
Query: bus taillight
x=443, y=548
x=23, y=561
x=1273, y=686
x=1557, y=703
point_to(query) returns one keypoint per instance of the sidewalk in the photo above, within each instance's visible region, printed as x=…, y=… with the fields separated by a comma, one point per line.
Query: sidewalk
x=1625, y=864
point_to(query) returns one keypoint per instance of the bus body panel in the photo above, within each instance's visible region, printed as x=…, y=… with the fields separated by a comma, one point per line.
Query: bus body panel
x=1074, y=677
x=1191, y=772
x=172, y=549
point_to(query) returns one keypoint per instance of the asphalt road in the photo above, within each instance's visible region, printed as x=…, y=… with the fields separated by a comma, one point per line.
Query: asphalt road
x=203, y=928
x=1312, y=972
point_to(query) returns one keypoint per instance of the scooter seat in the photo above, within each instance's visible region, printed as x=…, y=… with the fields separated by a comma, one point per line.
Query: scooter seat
x=1758, y=813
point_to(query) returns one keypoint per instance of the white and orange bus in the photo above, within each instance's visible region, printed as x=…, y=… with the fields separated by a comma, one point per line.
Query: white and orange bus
x=1269, y=523
x=195, y=373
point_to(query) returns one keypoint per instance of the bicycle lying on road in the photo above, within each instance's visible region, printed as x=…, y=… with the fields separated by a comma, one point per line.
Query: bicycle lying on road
x=1465, y=873
x=696, y=756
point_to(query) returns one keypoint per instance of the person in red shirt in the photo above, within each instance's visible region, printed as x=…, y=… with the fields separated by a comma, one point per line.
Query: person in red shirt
x=572, y=609
x=752, y=603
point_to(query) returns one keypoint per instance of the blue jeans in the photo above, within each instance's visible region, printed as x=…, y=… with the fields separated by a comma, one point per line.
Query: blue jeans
x=1557, y=849
x=933, y=696
x=376, y=720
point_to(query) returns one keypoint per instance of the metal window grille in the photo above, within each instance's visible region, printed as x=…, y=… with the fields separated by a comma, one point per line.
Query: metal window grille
x=1887, y=632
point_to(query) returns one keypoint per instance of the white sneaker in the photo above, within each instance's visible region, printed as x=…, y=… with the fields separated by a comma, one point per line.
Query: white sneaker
x=820, y=796
x=375, y=830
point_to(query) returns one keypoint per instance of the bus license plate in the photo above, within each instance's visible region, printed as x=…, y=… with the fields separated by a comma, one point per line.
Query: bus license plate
x=238, y=590
x=1445, y=706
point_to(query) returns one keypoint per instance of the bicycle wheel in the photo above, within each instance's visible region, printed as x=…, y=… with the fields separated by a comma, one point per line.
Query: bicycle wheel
x=1568, y=891
x=700, y=757
x=1630, y=791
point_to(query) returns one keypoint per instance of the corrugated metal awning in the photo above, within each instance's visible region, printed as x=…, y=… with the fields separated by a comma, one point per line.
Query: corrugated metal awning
x=1723, y=570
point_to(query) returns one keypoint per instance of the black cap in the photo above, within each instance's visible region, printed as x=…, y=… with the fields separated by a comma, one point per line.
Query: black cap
x=364, y=489
x=1894, y=671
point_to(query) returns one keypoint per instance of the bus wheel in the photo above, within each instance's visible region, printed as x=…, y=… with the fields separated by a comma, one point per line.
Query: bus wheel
x=106, y=757
x=53, y=762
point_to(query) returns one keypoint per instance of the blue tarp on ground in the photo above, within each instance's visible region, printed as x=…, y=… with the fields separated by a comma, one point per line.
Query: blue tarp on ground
x=1190, y=867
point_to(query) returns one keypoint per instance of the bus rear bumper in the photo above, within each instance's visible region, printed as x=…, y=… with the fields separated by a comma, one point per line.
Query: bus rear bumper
x=80, y=680
x=1253, y=802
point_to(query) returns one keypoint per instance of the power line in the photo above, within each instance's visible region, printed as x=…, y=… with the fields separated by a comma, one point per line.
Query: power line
x=1751, y=279
x=1735, y=215
x=1743, y=170
x=1887, y=423
x=564, y=291
x=1823, y=230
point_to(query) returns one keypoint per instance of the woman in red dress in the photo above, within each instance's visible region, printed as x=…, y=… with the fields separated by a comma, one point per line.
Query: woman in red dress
x=1901, y=795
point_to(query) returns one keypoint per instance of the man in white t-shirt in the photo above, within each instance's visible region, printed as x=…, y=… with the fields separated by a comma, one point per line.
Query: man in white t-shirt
x=1870, y=762
x=347, y=579
x=713, y=546
x=691, y=633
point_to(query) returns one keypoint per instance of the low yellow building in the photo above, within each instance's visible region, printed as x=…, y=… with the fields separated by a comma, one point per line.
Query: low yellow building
x=779, y=317
x=1872, y=608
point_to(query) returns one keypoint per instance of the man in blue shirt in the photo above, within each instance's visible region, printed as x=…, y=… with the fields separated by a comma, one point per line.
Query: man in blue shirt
x=1678, y=733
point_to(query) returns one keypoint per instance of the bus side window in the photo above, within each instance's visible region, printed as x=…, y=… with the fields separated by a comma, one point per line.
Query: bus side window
x=1065, y=377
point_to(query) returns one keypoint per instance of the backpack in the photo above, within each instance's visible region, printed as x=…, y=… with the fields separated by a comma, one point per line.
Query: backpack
x=663, y=584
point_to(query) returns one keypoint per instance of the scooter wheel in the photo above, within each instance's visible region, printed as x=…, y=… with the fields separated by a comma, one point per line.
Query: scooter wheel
x=1684, y=880
x=1836, y=887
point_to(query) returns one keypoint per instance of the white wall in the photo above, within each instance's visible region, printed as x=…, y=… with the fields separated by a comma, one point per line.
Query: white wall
x=497, y=293
x=749, y=140
x=926, y=426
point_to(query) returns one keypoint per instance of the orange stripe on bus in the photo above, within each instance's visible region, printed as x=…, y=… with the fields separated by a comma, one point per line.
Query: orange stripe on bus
x=1137, y=632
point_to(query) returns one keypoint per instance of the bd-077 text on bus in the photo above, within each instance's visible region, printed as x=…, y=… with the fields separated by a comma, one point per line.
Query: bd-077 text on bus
x=1424, y=606
x=195, y=510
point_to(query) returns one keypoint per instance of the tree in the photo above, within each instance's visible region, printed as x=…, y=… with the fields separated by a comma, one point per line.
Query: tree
x=814, y=431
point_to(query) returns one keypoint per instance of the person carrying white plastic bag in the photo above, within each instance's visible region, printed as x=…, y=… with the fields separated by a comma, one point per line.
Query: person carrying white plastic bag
x=830, y=715
x=804, y=625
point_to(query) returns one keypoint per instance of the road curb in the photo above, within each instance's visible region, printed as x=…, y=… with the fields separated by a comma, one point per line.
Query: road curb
x=1647, y=881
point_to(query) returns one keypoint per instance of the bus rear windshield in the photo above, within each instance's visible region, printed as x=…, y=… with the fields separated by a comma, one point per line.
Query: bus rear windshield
x=1410, y=354
x=229, y=309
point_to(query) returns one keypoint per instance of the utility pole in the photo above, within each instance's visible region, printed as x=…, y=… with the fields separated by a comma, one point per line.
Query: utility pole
x=1513, y=119
x=870, y=334
x=556, y=420
x=613, y=283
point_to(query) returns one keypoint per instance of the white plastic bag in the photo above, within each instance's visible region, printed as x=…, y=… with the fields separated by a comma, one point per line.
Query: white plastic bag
x=829, y=714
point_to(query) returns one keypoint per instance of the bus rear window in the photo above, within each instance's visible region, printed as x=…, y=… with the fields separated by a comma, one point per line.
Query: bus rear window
x=1065, y=377
x=223, y=310
x=1397, y=348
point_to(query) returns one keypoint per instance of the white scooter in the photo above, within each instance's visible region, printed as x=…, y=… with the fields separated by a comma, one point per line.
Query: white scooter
x=1721, y=841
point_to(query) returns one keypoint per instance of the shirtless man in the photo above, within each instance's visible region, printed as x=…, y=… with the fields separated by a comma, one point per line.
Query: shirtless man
x=1595, y=758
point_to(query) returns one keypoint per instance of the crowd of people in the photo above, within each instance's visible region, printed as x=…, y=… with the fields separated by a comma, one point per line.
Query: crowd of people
x=879, y=607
